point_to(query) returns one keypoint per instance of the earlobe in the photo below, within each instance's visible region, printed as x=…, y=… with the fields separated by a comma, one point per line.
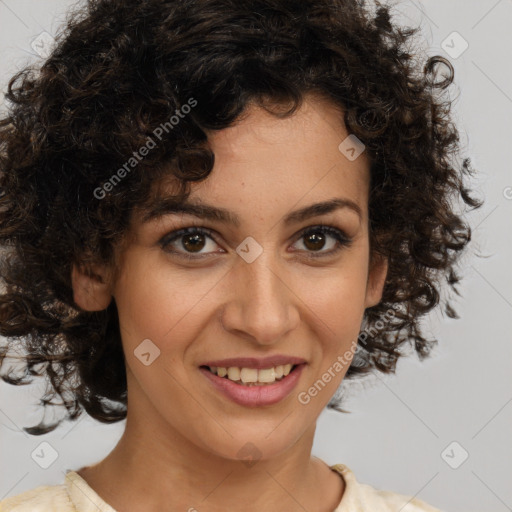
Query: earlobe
x=376, y=280
x=91, y=290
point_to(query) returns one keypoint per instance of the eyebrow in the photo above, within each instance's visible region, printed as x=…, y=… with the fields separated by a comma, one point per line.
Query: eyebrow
x=168, y=206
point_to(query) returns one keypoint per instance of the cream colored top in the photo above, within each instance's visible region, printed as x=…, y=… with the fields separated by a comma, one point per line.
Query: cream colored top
x=75, y=495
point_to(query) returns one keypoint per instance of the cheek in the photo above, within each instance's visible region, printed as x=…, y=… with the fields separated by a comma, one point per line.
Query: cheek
x=338, y=295
x=337, y=298
x=335, y=307
x=154, y=302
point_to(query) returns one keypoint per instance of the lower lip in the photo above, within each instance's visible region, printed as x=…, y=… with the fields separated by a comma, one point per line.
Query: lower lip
x=254, y=396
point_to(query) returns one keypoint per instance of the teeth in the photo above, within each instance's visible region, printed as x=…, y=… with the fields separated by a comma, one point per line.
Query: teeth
x=267, y=375
x=252, y=375
x=249, y=375
x=233, y=373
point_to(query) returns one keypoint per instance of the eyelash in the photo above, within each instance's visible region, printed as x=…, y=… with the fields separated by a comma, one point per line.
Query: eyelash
x=338, y=235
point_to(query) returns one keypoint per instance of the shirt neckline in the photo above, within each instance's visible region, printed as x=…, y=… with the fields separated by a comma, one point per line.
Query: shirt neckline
x=350, y=501
x=85, y=498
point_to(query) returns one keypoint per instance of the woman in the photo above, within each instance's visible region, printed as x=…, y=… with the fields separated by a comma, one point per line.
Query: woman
x=203, y=201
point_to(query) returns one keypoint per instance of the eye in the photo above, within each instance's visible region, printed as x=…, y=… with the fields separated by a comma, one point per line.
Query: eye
x=189, y=242
x=315, y=238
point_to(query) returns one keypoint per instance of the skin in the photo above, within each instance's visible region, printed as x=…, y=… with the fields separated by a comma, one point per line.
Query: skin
x=179, y=448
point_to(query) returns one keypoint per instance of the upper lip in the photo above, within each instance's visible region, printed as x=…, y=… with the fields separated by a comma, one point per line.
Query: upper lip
x=255, y=362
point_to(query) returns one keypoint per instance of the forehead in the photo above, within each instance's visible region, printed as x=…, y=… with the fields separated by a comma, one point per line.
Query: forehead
x=263, y=162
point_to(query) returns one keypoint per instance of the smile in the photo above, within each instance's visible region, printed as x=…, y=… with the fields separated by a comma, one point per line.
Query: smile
x=243, y=385
x=253, y=376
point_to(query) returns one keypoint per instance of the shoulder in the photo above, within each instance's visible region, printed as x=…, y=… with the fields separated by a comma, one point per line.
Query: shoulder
x=362, y=497
x=45, y=498
x=73, y=495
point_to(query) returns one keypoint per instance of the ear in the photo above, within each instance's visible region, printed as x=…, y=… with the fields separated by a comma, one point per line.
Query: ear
x=376, y=279
x=91, y=288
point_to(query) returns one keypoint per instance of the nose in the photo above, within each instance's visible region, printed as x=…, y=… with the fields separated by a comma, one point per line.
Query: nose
x=261, y=304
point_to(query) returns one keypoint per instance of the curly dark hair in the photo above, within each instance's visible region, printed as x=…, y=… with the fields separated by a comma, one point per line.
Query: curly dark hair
x=119, y=70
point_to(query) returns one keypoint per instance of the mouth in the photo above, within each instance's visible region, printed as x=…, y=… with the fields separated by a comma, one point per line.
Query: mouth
x=244, y=387
x=252, y=376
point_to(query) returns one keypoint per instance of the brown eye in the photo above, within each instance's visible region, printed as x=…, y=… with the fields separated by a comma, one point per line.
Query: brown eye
x=189, y=243
x=314, y=241
x=316, y=238
x=193, y=243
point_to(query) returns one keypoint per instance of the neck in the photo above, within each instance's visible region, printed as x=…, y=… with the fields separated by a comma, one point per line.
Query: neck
x=154, y=467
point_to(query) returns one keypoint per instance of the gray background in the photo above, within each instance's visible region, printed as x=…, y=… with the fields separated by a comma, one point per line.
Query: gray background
x=401, y=432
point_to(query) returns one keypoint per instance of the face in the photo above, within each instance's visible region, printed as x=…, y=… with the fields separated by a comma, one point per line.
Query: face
x=272, y=277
